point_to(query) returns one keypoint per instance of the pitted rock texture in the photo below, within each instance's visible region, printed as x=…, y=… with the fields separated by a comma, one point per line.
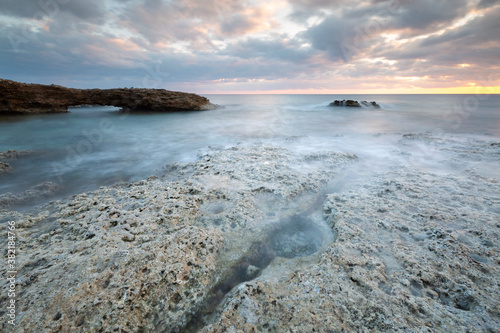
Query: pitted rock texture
x=147, y=256
x=415, y=251
x=25, y=98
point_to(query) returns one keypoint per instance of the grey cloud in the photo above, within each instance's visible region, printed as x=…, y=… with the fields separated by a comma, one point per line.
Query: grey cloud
x=422, y=15
x=334, y=35
x=488, y=3
x=276, y=48
x=426, y=14
x=303, y=9
x=478, y=31
x=237, y=24
x=356, y=30
x=91, y=10
x=19, y=8
x=77, y=51
x=476, y=43
x=157, y=20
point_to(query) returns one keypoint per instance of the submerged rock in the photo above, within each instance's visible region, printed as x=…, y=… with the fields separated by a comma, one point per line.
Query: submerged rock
x=18, y=97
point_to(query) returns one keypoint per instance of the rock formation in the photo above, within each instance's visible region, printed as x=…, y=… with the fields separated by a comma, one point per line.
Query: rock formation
x=5, y=168
x=354, y=104
x=407, y=250
x=26, y=98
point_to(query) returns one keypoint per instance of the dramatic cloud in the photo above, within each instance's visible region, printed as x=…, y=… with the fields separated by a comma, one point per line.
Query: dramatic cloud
x=252, y=45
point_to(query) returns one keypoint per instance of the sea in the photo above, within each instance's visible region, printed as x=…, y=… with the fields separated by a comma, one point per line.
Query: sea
x=95, y=146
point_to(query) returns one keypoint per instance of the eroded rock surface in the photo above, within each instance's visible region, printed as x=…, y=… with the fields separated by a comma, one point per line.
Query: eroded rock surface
x=25, y=98
x=148, y=256
x=413, y=250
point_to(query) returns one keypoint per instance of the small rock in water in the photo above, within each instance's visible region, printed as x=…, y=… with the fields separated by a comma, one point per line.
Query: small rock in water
x=348, y=103
x=355, y=104
x=5, y=168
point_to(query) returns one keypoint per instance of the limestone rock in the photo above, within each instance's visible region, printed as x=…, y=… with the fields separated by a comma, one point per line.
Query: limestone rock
x=151, y=255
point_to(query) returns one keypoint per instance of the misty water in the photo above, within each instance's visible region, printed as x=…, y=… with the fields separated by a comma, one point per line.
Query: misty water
x=96, y=146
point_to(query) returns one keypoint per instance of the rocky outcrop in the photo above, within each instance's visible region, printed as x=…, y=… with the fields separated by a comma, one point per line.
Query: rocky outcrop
x=26, y=98
x=354, y=104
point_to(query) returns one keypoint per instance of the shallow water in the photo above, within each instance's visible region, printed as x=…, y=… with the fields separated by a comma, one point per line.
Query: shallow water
x=95, y=146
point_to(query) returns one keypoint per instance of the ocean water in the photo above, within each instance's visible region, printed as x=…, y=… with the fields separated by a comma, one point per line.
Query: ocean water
x=96, y=146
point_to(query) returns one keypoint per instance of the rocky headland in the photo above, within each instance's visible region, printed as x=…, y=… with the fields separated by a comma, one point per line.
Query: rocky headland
x=247, y=239
x=354, y=104
x=26, y=98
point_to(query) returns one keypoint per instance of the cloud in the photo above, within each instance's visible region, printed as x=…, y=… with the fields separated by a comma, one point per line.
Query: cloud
x=92, y=10
x=197, y=22
x=476, y=42
x=424, y=15
x=278, y=48
x=334, y=35
x=488, y=3
x=192, y=43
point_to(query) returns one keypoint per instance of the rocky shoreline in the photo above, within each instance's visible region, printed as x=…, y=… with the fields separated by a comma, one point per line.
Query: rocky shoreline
x=23, y=98
x=246, y=239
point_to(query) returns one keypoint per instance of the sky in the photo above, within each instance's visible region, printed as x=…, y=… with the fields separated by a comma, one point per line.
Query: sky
x=255, y=46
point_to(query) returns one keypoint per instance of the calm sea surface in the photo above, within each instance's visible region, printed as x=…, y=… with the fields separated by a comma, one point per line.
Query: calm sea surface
x=95, y=146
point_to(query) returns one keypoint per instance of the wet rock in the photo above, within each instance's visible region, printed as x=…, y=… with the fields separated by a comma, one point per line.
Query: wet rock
x=355, y=104
x=413, y=265
x=13, y=154
x=5, y=168
x=346, y=103
x=297, y=238
x=150, y=254
x=199, y=237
